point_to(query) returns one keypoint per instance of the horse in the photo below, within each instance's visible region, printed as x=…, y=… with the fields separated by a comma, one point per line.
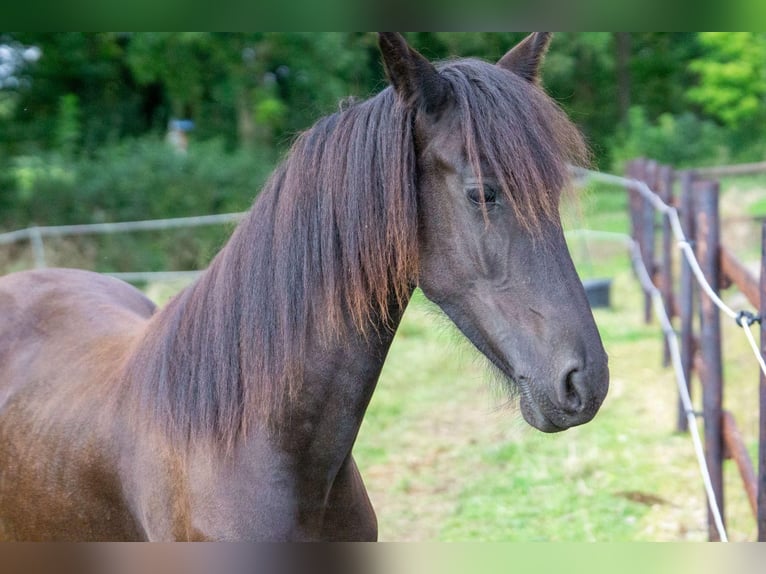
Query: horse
x=231, y=412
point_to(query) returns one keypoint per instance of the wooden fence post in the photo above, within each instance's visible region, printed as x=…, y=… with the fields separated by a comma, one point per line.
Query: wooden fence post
x=647, y=234
x=686, y=294
x=38, y=247
x=634, y=170
x=761, y=513
x=708, y=248
x=665, y=191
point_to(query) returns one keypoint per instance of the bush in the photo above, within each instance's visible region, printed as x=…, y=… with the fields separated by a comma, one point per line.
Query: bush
x=134, y=180
x=146, y=179
x=681, y=141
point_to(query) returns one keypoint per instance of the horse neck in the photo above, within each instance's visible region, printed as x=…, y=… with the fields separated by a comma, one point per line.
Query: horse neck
x=232, y=353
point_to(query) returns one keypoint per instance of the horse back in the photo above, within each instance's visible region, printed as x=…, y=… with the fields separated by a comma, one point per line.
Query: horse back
x=63, y=335
x=60, y=319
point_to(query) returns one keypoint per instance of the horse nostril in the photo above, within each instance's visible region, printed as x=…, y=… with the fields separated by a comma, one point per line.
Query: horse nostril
x=569, y=392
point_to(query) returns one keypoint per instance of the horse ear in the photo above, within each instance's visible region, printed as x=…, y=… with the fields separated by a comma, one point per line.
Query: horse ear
x=413, y=77
x=526, y=58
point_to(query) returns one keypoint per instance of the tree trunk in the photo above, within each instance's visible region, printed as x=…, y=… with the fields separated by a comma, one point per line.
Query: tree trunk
x=622, y=45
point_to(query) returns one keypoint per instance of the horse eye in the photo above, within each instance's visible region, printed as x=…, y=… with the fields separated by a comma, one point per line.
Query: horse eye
x=474, y=194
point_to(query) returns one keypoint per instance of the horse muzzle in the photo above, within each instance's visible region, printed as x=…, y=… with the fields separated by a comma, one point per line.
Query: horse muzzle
x=572, y=400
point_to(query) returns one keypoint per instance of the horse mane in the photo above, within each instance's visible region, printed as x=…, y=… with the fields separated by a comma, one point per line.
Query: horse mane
x=514, y=131
x=329, y=244
x=329, y=247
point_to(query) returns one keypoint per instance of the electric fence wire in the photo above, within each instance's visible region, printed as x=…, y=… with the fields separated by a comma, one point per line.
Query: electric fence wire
x=744, y=319
x=675, y=355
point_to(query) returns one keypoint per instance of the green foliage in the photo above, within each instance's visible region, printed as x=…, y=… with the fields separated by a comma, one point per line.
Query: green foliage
x=68, y=125
x=89, y=65
x=683, y=98
x=228, y=82
x=177, y=60
x=312, y=72
x=683, y=140
x=579, y=73
x=33, y=177
x=135, y=180
x=270, y=111
x=7, y=105
x=732, y=81
x=659, y=70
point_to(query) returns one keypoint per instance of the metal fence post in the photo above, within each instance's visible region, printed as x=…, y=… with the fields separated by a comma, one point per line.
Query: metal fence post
x=38, y=248
x=708, y=249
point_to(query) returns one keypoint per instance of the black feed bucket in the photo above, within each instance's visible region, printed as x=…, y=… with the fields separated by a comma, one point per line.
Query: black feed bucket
x=597, y=291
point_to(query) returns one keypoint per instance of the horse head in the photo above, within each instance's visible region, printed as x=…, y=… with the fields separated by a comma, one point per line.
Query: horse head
x=493, y=153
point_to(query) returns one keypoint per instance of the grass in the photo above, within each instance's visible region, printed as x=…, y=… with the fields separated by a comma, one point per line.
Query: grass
x=603, y=208
x=457, y=467
x=743, y=201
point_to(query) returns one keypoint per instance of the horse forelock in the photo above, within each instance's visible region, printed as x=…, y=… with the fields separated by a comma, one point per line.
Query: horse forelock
x=511, y=127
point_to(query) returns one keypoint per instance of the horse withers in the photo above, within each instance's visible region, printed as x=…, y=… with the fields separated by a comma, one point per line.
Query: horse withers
x=231, y=413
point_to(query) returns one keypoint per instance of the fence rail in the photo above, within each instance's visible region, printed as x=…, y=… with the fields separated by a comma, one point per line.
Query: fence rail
x=35, y=236
x=119, y=227
x=727, y=170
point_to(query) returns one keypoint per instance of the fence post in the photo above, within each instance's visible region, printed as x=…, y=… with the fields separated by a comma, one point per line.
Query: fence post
x=761, y=513
x=708, y=249
x=637, y=170
x=633, y=171
x=647, y=234
x=665, y=190
x=38, y=248
x=686, y=294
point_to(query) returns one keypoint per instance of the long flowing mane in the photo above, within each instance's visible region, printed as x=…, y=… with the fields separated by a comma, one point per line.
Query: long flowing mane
x=330, y=244
x=514, y=131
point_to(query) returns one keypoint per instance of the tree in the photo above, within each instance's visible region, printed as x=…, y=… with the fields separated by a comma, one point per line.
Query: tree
x=732, y=77
x=250, y=81
x=89, y=66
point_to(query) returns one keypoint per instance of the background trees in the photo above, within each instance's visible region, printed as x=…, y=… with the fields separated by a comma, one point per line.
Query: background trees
x=83, y=115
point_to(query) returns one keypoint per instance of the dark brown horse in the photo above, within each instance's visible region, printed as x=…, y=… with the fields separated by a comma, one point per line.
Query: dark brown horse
x=231, y=413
